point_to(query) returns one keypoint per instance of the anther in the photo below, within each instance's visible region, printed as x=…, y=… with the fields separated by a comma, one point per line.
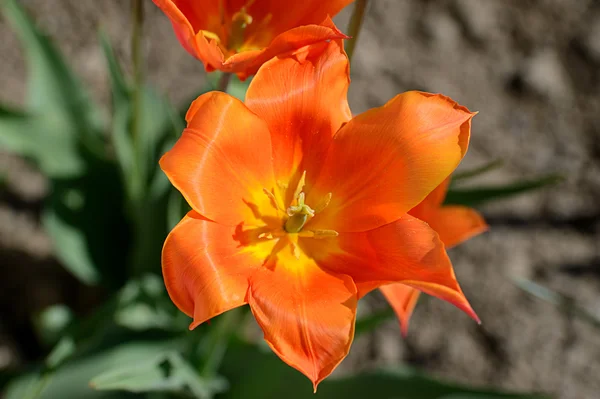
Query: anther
x=323, y=204
x=300, y=186
x=273, y=199
x=318, y=234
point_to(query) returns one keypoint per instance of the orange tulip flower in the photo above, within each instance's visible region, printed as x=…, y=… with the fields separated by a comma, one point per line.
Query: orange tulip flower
x=240, y=35
x=454, y=224
x=299, y=209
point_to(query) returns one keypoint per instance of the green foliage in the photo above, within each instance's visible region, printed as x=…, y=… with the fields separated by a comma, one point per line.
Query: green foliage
x=59, y=120
x=268, y=378
x=102, y=189
x=563, y=302
x=165, y=372
x=480, y=195
x=72, y=380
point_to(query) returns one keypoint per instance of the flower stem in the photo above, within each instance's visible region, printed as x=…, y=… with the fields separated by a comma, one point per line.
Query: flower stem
x=137, y=19
x=224, y=82
x=220, y=336
x=137, y=179
x=355, y=25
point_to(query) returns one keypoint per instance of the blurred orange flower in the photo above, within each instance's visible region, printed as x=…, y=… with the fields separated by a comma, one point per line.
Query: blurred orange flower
x=240, y=35
x=454, y=224
x=299, y=209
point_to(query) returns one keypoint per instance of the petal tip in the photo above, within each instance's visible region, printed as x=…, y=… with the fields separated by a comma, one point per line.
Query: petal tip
x=466, y=307
x=404, y=329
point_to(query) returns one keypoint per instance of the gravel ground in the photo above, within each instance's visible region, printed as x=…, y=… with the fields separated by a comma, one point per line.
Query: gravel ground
x=532, y=69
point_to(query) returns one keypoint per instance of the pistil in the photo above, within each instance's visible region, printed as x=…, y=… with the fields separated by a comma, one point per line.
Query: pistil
x=298, y=215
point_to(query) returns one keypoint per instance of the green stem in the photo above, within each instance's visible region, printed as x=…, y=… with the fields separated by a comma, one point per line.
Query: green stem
x=138, y=175
x=355, y=25
x=137, y=19
x=223, y=83
x=220, y=337
x=37, y=390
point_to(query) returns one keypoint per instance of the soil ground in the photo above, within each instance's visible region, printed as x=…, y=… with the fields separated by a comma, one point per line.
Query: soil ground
x=532, y=70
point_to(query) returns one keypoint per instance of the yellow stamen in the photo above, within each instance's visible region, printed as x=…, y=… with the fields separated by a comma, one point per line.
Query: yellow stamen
x=318, y=234
x=250, y=45
x=323, y=204
x=282, y=186
x=267, y=235
x=300, y=186
x=211, y=35
x=239, y=23
x=295, y=249
x=273, y=199
x=325, y=233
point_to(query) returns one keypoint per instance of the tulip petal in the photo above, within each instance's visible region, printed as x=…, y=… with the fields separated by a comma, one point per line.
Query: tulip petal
x=206, y=266
x=406, y=251
x=307, y=314
x=303, y=100
x=385, y=161
x=456, y=224
x=434, y=200
x=284, y=15
x=288, y=43
x=403, y=300
x=188, y=18
x=222, y=162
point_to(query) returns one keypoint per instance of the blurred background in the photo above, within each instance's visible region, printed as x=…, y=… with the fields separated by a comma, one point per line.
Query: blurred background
x=532, y=70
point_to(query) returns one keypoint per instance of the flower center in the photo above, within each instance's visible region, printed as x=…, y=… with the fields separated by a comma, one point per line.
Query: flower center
x=298, y=213
x=239, y=23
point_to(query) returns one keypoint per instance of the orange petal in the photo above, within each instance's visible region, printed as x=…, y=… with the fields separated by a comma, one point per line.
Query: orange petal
x=432, y=202
x=385, y=161
x=406, y=251
x=247, y=63
x=403, y=300
x=456, y=224
x=285, y=15
x=222, y=162
x=306, y=314
x=303, y=100
x=209, y=52
x=188, y=18
x=206, y=267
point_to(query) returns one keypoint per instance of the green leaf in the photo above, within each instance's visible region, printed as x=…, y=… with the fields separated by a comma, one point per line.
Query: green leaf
x=269, y=377
x=167, y=372
x=480, y=195
x=143, y=304
x=52, y=321
x=71, y=381
x=61, y=352
x=121, y=105
x=71, y=246
x=85, y=217
x=60, y=117
x=14, y=126
x=564, y=302
x=147, y=186
x=477, y=171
